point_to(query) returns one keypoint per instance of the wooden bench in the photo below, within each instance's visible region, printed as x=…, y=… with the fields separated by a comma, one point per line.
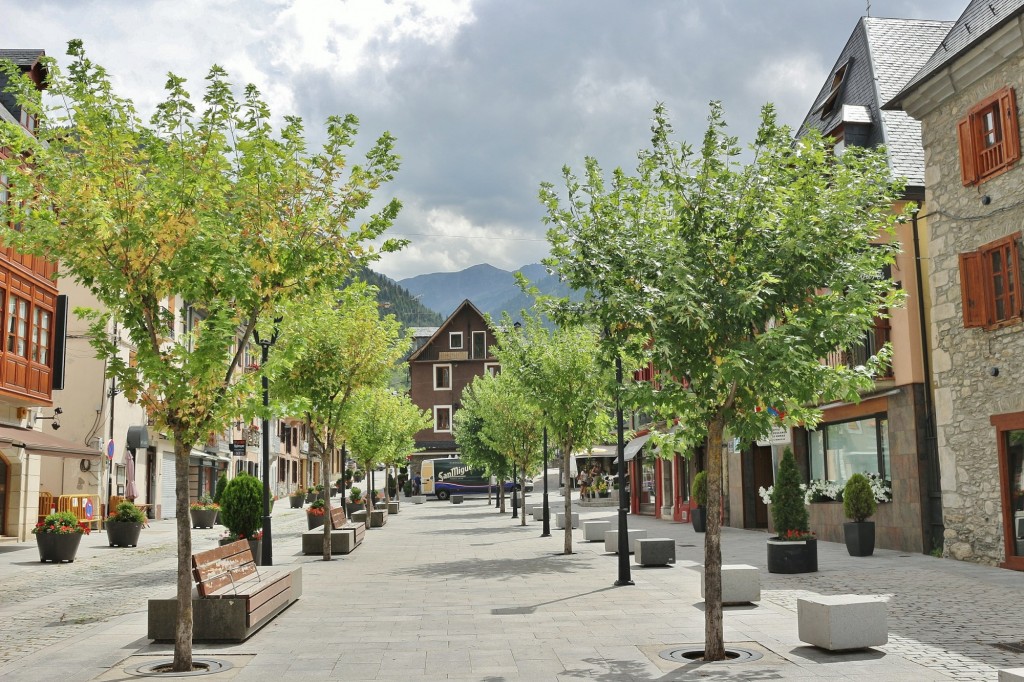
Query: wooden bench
x=232, y=599
x=345, y=535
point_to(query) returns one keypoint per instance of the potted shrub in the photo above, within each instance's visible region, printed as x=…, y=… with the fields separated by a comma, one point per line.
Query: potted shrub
x=794, y=549
x=407, y=488
x=339, y=485
x=355, y=500
x=58, y=537
x=243, y=512
x=203, y=512
x=357, y=476
x=602, y=487
x=858, y=504
x=296, y=499
x=699, y=494
x=125, y=525
x=218, y=492
x=315, y=514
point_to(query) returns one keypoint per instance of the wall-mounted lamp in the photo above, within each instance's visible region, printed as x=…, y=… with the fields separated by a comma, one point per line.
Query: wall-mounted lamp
x=986, y=200
x=55, y=417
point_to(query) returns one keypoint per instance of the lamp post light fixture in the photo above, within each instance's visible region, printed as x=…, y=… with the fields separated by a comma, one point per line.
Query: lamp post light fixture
x=624, y=574
x=267, y=558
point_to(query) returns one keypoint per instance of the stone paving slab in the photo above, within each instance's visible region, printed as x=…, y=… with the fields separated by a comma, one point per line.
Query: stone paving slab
x=460, y=592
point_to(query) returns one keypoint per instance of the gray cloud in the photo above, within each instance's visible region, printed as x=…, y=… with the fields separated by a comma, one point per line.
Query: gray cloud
x=487, y=97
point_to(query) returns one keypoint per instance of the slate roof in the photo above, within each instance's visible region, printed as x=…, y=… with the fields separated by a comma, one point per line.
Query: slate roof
x=881, y=56
x=25, y=57
x=979, y=20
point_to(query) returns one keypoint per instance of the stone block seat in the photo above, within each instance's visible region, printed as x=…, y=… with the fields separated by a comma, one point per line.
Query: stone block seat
x=378, y=517
x=560, y=520
x=1011, y=675
x=345, y=535
x=361, y=517
x=841, y=622
x=655, y=551
x=419, y=499
x=232, y=598
x=741, y=584
x=456, y=499
x=593, y=531
x=611, y=540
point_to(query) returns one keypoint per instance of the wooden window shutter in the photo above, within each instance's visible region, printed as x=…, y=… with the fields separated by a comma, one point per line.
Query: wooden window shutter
x=972, y=289
x=1013, y=275
x=1011, y=129
x=968, y=157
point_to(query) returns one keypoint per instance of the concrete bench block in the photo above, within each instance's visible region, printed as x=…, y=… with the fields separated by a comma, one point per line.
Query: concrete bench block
x=1011, y=675
x=342, y=541
x=655, y=551
x=456, y=499
x=840, y=622
x=611, y=540
x=537, y=512
x=393, y=507
x=419, y=499
x=378, y=517
x=741, y=583
x=560, y=520
x=593, y=531
x=360, y=517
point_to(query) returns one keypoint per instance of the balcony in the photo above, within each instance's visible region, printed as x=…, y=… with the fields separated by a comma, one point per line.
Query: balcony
x=874, y=339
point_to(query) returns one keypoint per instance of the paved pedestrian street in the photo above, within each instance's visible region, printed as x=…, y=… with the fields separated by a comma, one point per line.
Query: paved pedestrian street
x=460, y=592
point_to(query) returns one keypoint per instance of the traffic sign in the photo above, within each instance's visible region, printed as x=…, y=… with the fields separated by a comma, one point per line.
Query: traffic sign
x=110, y=449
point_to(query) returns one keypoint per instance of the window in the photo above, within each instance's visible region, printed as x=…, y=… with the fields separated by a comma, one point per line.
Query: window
x=442, y=377
x=839, y=450
x=29, y=121
x=443, y=419
x=829, y=105
x=492, y=368
x=17, y=326
x=455, y=340
x=990, y=283
x=479, y=345
x=41, y=336
x=989, y=138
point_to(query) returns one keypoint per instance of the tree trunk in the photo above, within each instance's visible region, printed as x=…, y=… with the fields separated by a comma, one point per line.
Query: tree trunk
x=501, y=495
x=714, y=644
x=324, y=458
x=566, y=458
x=522, y=497
x=183, y=629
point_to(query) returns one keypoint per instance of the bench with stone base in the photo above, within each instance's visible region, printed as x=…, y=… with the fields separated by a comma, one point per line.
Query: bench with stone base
x=593, y=531
x=393, y=507
x=655, y=551
x=456, y=499
x=741, y=584
x=560, y=520
x=841, y=622
x=232, y=598
x=611, y=540
x=378, y=517
x=345, y=535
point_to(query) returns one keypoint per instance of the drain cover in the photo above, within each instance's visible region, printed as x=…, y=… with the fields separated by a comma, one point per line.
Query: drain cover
x=162, y=668
x=688, y=653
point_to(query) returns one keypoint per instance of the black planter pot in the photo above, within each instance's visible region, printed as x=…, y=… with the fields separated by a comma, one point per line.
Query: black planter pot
x=700, y=519
x=792, y=557
x=860, y=537
x=203, y=518
x=58, y=547
x=296, y=501
x=310, y=497
x=123, y=533
x=256, y=547
x=314, y=521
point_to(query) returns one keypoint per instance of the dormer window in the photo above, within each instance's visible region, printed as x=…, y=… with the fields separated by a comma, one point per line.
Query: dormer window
x=455, y=340
x=829, y=105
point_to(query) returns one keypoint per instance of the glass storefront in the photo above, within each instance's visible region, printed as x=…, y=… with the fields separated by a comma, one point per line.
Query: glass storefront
x=839, y=450
x=1015, y=485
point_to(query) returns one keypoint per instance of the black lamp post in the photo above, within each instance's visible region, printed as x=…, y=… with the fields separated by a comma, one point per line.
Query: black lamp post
x=267, y=558
x=624, y=575
x=515, y=495
x=547, y=524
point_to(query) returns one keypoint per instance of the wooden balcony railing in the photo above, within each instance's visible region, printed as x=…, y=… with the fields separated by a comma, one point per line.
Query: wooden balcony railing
x=874, y=339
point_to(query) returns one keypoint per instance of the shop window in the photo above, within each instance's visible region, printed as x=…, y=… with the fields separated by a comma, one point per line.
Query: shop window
x=839, y=450
x=1010, y=442
x=989, y=138
x=990, y=283
x=442, y=377
x=443, y=419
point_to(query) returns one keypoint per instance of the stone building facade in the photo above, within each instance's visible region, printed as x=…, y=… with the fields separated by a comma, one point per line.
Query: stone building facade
x=968, y=100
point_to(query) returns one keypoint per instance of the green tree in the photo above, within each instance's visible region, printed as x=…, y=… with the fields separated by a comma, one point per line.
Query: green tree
x=562, y=372
x=334, y=345
x=474, y=450
x=205, y=202
x=511, y=423
x=743, y=275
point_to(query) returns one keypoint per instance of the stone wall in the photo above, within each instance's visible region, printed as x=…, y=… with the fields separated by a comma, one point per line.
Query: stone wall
x=966, y=394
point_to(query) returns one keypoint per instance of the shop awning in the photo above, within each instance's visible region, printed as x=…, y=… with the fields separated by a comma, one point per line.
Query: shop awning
x=633, y=446
x=43, y=444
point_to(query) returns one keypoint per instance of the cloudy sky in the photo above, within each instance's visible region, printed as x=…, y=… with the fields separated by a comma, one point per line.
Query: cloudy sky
x=488, y=98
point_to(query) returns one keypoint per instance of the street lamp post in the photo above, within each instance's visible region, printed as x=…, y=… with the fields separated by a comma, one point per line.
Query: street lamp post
x=624, y=575
x=267, y=558
x=547, y=525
